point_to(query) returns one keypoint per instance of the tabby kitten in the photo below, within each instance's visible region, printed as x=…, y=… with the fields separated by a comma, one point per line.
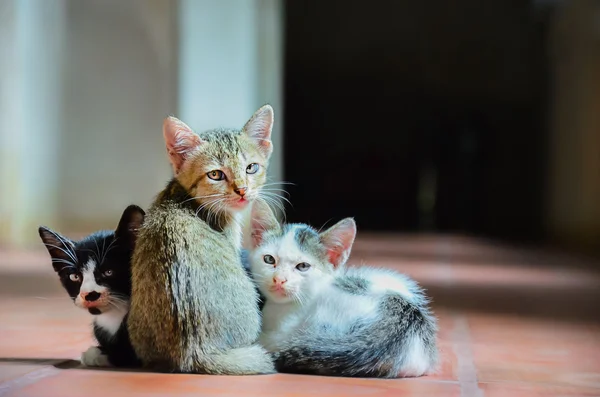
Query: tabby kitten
x=95, y=272
x=194, y=308
x=322, y=318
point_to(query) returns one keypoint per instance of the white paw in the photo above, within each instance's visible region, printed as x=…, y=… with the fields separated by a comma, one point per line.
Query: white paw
x=93, y=357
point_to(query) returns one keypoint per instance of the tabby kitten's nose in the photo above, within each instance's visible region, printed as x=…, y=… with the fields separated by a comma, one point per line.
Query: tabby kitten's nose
x=91, y=296
x=241, y=191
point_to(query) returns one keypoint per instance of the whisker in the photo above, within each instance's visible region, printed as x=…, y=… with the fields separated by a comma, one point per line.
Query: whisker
x=118, y=301
x=201, y=197
x=117, y=293
x=103, y=251
x=278, y=183
x=97, y=251
x=279, y=196
x=67, y=246
x=208, y=205
x=66, y=262
x=273, y=189
x=110, y=246
x=326, y=222
x=47, y=298
x=273, y=200
x=59, y=248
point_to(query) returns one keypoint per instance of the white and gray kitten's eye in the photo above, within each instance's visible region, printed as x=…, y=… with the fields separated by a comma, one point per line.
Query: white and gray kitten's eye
x=269, y=259
x=107, y=273
x=252, y=168
x=74, y=277
x=303, y=266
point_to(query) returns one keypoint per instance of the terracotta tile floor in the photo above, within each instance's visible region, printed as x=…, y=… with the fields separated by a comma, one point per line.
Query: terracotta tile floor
x=513, y=323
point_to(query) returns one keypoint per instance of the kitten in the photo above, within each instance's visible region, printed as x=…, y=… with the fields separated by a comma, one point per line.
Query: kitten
x=194, y=308
x=95, y=272
x=322, y=318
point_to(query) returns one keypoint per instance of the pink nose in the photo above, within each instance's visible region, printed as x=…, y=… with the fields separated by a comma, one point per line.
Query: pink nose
x=278, y=281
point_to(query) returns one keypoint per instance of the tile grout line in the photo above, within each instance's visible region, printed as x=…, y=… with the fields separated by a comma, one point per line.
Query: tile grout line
x=467, y=372
x=27, y=379
x=461, y=339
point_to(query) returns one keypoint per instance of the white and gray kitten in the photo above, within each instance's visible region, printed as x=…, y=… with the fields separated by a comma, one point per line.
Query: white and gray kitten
x=323, y=318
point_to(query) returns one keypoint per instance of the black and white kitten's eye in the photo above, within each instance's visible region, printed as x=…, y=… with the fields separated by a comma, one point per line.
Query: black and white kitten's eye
x=107, y=273
x=303, y=266
x=252, y=168
x=216, y=175
x=74, y=277
x=269, y=259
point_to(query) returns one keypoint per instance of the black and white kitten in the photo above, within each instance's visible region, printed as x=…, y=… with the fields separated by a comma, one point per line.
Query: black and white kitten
x=96, y=273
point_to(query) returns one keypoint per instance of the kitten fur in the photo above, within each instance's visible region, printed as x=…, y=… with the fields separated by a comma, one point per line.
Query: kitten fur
x=194, y=308
x=96, y=274
x=245, y=257
x=332, y=320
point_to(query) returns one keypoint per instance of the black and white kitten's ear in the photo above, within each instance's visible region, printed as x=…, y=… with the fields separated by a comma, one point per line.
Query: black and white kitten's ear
x=129, y=225
x=262, y=220
x=259, y=129
x=181, y=141
x=60, y=248
x=338, y=240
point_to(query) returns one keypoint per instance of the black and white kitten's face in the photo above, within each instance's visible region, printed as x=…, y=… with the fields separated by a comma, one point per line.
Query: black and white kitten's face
x=95, y=271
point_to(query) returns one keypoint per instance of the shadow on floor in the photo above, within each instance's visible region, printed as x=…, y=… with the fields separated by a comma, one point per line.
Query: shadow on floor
x=63, y=363
x=536, y=302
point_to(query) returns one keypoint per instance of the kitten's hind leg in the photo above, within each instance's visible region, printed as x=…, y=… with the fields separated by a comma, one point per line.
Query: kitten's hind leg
x=93, y=357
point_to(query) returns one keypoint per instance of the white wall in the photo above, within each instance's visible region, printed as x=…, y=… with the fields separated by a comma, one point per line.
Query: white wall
x=85, y=86
x=31, y=59
x=118, y=87
x=231, y=59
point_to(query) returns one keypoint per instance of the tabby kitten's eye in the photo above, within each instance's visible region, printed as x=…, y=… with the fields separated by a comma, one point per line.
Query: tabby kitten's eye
x=252, y=168
x=303, y=266
x=216, y=175
x=74, y=277
x=107, y=273
x=269, y=259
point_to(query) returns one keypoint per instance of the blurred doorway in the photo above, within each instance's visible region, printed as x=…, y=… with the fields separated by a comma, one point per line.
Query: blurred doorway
x=411, y=117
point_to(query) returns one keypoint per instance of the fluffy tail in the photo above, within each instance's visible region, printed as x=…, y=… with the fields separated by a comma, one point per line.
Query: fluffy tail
x=400, y=344
x=248, y=360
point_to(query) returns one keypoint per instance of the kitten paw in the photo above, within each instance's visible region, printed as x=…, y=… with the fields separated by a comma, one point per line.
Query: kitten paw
x=93, y=357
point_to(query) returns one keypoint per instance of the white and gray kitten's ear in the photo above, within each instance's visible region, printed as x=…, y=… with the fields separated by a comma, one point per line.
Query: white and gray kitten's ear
x=338, y=240
x=60, y=248
x=259, y=129
x=180, y=140
x=129, y=225
x=262, y=220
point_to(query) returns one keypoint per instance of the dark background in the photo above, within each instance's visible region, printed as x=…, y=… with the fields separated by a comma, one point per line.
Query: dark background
x=418, y=115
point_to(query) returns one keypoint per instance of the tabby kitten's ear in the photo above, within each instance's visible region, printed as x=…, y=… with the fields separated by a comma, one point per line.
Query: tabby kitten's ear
x=338, y=240
x=262, y=220
x=181, y=141
x=60, y=248
x=129, y=226
x=259, y=129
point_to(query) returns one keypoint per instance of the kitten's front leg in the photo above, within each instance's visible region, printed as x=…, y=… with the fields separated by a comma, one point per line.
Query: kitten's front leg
x=94, y=357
